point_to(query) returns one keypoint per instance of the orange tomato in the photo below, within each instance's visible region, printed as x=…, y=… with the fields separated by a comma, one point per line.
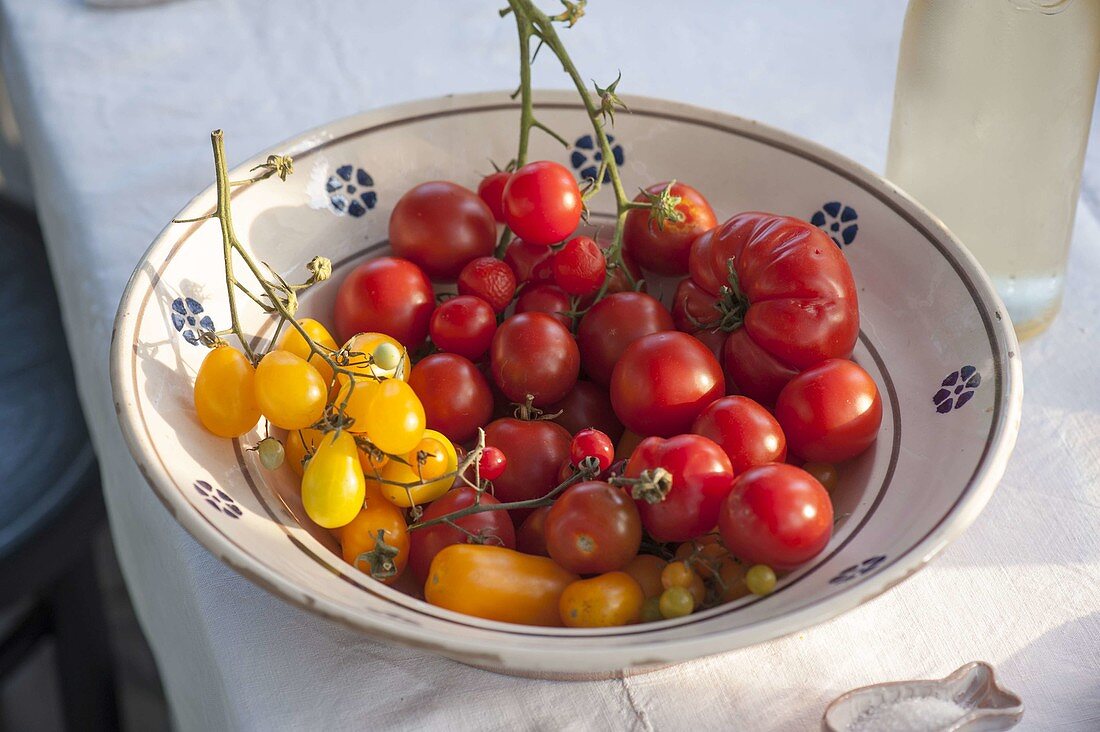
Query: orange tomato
x=293, y=341
x=646, y=571
x=611, y=599
x=732, y=574
x=702, y=555
x=290, y=392
x=225, y=393
x=361, y=535
x=495, y=583
x=679, y=574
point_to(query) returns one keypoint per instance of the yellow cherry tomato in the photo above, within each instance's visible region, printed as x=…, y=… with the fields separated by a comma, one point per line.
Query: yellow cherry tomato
x=225, y=393
x=394, y=419
x=333, y=487
x=293, y=341
x=361, y=535
x=290, y=392
x=363, y=360
x=299, y=445
x=609, y=600
x=433, y=460
x=354, y=399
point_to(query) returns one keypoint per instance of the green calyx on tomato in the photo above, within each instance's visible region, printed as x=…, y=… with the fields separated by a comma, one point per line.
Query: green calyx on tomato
x=380, y=559
x=651, y=486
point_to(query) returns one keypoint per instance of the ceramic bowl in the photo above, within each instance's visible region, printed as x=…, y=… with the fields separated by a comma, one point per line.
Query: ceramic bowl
x=934, y=337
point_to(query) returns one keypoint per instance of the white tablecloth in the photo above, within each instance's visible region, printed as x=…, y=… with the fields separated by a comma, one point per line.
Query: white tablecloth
x=115, y=107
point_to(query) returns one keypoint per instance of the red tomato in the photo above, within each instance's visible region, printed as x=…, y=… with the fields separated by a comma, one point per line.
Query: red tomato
x=617, y=279
x=592, y=443
x=746, y=431
x=542, y=202
x=491, y=190
x=776, y=515
x=492, y=527
x=701, y=263
x=536, y=449
x=530, y=262
x=490, y=279
x=587, y=405
x=663, y=382
x=492, y=463
x=612, y=324
x=579, y=266
x=701, y=478
x=456, y=397
x=385, y=295
x=531, y=536
x=593, y=528
x=830, y=412
x=714, y=340
x=665, y=249
x=464, y=325
x=441, y=226
x=549, y=299
x=534, y=355
x=693, y=308
x=790, y=301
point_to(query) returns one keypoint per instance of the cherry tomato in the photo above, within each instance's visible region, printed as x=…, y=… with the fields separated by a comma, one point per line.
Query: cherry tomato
x=333, y=487
x=533, y=355
x=365, y=352
x=360, y=537
x=614, y=323
x=676, y=602
x=225, y=393
x=646, y=570
x=543, y=445
x=491, y=190
x=731, y=578
x=592, y=443
x=549, y=299
x=587, y=405
x=825, y=473
x=698, y=478
x=299, y=445
x=492, y=463
x=394, y=420
x=664, y=249
x=593, y=527
x=760, y=579
x=531, y=537
x=464, y=325
x=496, y=583
x=746, y=431
x=777, y=515
x=290, y=392
x=704, y=555
x=431, y=464
x=579, y=266
x=627, y=278
x=490, y=527
x=791, y=301
x=542, y=202
x=293, y=342
x=440, y=226
x=455, y=395
x=530, y=262
x=385, y=294
x=606, y=601
x=663, y=382
x=490, y=279
x=831, y=412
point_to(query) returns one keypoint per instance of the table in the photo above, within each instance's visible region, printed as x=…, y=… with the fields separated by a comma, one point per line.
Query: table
x=115, y=107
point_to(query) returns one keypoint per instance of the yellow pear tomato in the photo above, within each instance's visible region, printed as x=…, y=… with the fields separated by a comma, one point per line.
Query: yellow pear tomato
x=225, y=393
x=333, y=487
x=432, y=464
x=293, y=341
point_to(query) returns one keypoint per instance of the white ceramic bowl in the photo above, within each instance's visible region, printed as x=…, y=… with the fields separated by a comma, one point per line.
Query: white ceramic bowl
x=934, y=336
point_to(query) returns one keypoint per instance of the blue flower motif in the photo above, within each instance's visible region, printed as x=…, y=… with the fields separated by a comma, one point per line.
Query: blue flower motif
x=347, y=192
x=838, y=221
x=188, y=318
x=858, y=570
x=587, y=156
x=218, y=499
x=957, y=389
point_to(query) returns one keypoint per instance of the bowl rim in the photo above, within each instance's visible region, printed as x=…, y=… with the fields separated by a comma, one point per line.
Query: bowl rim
x=971, y=500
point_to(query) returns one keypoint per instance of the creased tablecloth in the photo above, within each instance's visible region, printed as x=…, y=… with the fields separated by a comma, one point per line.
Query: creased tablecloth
x=115, y=107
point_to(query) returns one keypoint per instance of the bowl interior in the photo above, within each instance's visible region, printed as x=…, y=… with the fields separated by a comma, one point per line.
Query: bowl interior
x=933, y=336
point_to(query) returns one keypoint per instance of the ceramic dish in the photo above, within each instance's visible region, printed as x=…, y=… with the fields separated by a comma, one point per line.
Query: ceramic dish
x=934, y=336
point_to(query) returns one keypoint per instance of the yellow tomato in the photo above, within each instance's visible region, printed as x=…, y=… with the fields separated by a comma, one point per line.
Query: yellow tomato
x=372, y=461
x=299, y=445
x=333, y=487
x=290, y=392
x=361, y=535
x=363, y=348
x=433, y=460
x=293, y=341
x=225, y=393
x=354, y=398
x=605, y=601
x=394, y=419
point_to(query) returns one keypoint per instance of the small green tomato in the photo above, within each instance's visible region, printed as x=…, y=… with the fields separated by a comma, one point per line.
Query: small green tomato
x=271, y=453
x=760, y=579
x=387, y=356
x=676, y=602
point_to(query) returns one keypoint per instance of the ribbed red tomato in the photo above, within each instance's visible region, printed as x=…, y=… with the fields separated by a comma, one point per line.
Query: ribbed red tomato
x=441, y=226
x=385, y=295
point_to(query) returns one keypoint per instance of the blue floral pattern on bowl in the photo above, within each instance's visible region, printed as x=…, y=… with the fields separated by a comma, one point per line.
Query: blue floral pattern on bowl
x=188, y=319
x=349, y=190
x=957, y=389
x=858, y=570
x=838, y=221
x=587, y=156
x=218, y=499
